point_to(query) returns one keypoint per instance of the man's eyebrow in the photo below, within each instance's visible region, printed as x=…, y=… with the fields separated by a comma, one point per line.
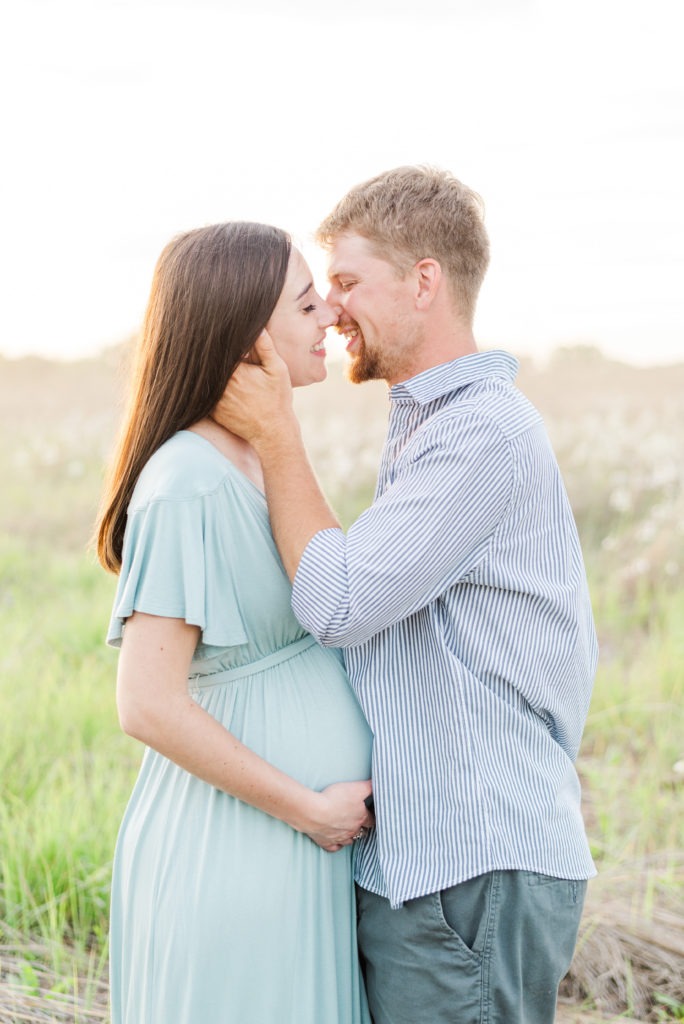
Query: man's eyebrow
x=304, y=291
x=341, y=269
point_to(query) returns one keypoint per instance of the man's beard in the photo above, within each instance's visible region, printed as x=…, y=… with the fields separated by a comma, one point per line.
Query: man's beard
x=365, y=365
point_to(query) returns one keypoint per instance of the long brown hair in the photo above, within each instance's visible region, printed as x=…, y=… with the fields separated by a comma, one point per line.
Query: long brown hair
x=213, y=292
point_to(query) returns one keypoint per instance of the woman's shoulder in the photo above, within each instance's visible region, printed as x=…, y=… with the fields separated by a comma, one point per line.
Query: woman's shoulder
x=185, y=467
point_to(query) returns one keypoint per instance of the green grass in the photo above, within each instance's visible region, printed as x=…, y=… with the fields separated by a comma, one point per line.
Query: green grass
x=635, y=736
x=67, y=770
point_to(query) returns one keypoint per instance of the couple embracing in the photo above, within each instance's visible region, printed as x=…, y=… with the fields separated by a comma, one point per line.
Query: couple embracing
x=399, y=706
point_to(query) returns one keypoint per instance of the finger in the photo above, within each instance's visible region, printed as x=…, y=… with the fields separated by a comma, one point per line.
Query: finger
x=251, y=357
x=264, y=348
x=241, y=372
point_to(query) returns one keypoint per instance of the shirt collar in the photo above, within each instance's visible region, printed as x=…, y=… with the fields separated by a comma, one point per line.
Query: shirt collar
x=441, y=380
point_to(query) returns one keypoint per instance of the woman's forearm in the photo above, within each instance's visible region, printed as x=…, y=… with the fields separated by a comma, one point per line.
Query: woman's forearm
x=190, y=737
x=156, y=708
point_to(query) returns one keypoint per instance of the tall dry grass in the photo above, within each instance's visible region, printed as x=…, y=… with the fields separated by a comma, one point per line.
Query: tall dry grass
x=67, y=770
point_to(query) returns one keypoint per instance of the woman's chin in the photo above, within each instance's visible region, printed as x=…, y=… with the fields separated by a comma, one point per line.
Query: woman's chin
x=312, y=378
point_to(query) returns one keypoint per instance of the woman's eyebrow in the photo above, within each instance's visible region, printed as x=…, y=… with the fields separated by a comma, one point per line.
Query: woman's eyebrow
x=304, y=291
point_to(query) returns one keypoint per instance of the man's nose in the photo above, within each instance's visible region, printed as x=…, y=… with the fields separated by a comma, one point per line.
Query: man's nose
x=334, y=299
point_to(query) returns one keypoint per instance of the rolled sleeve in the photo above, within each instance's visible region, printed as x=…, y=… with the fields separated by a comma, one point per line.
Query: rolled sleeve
x=320, y=586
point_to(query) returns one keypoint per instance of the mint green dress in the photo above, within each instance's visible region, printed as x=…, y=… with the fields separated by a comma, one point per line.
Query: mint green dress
x=221, y=914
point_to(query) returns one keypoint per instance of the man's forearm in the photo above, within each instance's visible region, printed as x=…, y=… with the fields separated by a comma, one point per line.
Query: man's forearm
x=257, y=405
x=297, y=507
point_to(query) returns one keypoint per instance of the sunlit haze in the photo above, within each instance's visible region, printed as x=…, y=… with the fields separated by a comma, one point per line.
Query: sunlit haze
x=131, y=120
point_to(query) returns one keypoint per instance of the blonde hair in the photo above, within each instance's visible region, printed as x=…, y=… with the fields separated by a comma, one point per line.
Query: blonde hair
x=411, y=213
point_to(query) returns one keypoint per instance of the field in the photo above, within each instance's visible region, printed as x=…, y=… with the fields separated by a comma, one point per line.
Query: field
x=67, y=769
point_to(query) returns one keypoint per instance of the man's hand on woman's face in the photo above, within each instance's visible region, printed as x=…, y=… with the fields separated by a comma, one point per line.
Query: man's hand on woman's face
x=258, y=398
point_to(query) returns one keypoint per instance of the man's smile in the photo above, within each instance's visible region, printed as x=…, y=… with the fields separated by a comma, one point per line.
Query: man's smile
x=353, y=336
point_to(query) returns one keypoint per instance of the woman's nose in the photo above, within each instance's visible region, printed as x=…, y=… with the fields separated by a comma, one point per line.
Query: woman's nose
x=328, y=314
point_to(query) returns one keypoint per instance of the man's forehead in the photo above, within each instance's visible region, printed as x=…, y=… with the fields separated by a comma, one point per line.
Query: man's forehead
x=348, y=252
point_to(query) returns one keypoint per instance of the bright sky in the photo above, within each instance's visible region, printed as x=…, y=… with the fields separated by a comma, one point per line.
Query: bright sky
x=130, y=120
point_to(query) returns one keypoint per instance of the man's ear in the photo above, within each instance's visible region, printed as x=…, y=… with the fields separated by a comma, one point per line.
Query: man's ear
x=428, y=275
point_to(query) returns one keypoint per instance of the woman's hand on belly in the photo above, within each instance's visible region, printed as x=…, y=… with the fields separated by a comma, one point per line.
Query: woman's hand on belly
x=338, y=814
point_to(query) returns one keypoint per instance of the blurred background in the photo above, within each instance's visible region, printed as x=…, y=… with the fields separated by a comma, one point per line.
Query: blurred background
x=127, y=121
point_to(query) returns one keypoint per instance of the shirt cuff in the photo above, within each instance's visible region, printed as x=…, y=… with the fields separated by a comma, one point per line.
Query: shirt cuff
x=320, y=584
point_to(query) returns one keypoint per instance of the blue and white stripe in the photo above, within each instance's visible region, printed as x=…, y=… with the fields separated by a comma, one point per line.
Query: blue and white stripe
x=460, y=600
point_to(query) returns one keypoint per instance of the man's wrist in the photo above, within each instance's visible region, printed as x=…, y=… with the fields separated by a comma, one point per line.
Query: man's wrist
x=280, y=435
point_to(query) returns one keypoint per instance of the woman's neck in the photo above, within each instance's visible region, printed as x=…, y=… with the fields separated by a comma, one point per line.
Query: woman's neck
x=234, y=448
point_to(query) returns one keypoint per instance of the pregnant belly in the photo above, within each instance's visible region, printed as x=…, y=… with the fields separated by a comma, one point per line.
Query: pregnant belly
x=302, y=717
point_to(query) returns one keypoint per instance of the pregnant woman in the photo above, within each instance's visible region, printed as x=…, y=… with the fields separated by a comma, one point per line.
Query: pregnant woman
x=232, y=895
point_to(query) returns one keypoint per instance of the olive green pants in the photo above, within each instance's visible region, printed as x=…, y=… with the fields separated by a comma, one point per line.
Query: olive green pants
x=492, y=950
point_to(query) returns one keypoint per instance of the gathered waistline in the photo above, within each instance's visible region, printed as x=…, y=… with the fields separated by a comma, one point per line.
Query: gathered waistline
x=228, y=675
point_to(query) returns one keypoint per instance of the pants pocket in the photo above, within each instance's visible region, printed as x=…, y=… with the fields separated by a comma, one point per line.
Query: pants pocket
x=468, y=909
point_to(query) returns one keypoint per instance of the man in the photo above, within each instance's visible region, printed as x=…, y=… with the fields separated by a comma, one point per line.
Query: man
x=460, y=600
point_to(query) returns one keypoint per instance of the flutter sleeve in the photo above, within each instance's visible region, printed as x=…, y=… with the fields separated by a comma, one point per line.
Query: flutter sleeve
x=176, y=563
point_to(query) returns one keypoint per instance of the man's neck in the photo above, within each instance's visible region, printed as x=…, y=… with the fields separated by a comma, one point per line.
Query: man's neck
x=435, y=351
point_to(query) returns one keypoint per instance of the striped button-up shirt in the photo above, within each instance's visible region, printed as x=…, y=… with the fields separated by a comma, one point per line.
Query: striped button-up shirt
x=461, y=602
